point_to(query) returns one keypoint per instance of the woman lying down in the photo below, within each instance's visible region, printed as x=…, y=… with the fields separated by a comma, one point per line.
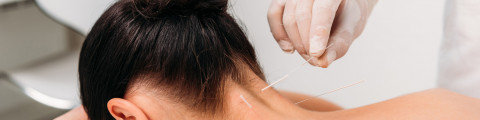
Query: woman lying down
x=189, y=59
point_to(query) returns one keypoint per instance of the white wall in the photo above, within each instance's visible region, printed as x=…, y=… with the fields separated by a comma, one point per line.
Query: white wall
x=397, y=53
x=36, y=52
x=26, y=36
x=2, y=2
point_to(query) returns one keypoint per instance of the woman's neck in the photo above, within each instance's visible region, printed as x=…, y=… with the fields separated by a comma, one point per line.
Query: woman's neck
x=252, y=103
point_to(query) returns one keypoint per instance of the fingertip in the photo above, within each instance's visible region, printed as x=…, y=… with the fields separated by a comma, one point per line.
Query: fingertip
x=327, y=59
x=316, y=53
x=322, y=63
x=314, y=61
x=317, y=46
x=289, y=51
x=286, y=46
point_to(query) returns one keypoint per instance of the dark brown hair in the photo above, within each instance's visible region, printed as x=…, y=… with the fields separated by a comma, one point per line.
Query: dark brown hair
x=189, y=47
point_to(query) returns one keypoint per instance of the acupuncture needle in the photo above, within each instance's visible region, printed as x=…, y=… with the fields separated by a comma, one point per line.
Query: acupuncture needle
x=331, y=91
x=292, y=71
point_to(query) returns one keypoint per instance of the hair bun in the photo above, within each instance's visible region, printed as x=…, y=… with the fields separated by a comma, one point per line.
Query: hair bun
x=154, y=8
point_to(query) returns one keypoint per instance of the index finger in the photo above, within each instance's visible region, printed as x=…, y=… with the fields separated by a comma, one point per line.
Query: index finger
x=275, y=21
x=323, y=14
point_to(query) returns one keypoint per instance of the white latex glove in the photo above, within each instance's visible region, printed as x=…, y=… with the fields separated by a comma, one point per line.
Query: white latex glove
x=309, y=26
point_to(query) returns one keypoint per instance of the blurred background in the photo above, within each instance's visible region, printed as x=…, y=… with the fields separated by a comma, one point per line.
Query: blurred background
x=40, y=42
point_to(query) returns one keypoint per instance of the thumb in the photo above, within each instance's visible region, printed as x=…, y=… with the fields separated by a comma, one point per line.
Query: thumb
x=338, y=48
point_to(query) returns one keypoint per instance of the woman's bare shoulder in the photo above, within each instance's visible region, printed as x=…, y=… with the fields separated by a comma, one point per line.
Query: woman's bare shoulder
x=441, y=97
x=429, y=104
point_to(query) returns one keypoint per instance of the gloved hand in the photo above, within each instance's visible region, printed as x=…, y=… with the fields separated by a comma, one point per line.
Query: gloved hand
x=309, y=26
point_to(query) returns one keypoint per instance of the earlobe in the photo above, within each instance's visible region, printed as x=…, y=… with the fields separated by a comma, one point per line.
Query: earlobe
x=122, y=109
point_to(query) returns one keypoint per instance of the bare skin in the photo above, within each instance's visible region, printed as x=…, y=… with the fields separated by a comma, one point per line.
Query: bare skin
x=438, y=104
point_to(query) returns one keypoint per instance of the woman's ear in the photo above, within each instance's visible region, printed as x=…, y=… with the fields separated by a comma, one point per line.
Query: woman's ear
x=122, y=109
